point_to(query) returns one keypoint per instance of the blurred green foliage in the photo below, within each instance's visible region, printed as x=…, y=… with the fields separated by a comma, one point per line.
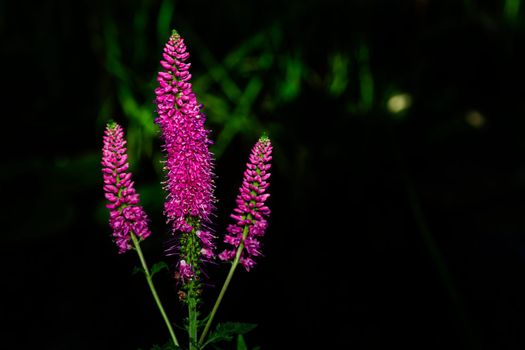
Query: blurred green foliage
x=511, y=10
x=248, y=85
x=240, y=90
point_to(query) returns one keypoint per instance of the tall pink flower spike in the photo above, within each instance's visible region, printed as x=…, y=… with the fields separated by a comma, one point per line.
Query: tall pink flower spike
x=189, y=163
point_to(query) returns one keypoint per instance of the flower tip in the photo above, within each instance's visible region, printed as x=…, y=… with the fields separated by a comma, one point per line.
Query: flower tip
x=111, y=125
x=264, y=137
x=174, y=33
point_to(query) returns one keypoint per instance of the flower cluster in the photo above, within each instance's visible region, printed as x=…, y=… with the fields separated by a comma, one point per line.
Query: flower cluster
x=125, y=215
x=190, y=201
x=188, y=160
x=251, y=212
x=189, y=184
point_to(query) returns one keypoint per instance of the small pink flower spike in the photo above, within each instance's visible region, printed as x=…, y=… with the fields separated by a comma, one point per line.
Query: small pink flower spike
x=126, y=216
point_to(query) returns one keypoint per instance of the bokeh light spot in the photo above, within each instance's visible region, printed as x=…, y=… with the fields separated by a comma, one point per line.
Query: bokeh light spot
x=399, y=102
x=475, y=119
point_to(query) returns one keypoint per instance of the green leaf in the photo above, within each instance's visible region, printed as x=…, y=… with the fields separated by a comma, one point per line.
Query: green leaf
x=241, y=343
x=158, y=267
x=226, y=331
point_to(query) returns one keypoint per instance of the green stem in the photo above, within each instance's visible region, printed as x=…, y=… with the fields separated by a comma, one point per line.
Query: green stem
x=136, y=243
x=192, y=322
x=224, y=286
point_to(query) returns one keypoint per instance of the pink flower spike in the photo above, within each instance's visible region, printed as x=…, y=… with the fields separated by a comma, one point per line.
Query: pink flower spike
x=125, y=215
x=251, y=212
x=189, y=163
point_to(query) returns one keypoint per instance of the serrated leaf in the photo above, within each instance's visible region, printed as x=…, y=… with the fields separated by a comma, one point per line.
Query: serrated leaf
x=158, y=267
x=241, y=343
x=226, y=331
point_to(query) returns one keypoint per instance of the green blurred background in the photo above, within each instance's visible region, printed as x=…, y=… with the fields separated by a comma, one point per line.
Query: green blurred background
x=399, y=170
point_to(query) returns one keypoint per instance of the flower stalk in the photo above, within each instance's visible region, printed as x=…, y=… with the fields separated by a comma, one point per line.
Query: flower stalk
x=149, y=279
x=192, y=320
x=189, y=174
x=227, y=281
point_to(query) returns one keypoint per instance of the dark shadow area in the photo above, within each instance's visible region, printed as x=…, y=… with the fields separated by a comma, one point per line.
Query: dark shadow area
x=398, y=180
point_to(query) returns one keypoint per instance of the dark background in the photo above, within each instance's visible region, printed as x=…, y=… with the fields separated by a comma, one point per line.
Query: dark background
x=389, y=228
